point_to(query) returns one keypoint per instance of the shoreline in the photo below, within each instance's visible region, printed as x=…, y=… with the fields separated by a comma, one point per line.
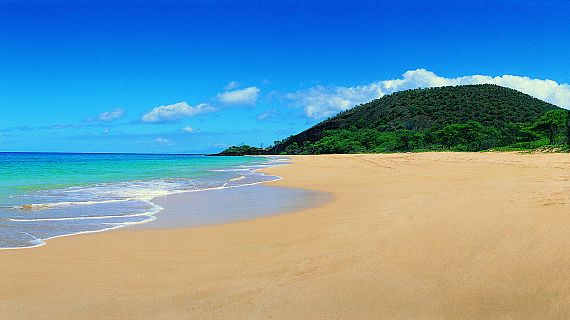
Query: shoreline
x=257, y=201
x=278, y=161
x=431, y=236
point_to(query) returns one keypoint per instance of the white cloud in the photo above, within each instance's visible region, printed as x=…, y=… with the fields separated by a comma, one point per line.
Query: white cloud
x=112, y=115
x=232, y=85
x=163, y=141
x=266, y=115
x=247, y=96
x=177, y=111
x=189, y=129
x=321, y=102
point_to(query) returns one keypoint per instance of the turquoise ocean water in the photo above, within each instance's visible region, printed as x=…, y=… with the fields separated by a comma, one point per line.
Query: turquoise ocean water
x=46, y=195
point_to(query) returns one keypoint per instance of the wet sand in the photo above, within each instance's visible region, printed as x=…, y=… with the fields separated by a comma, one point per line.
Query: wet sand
x=193, y=209
x=407, y=236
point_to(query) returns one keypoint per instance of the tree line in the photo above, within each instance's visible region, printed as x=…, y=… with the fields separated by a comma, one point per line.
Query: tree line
x=551, y=129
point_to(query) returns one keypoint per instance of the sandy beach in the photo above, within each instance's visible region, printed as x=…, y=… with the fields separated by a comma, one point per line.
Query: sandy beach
x=407, y=236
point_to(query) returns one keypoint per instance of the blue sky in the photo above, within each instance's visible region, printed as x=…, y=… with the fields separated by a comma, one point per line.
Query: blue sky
x=196, y=76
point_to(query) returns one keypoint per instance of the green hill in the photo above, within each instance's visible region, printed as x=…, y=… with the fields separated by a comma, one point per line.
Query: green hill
x=469, y=117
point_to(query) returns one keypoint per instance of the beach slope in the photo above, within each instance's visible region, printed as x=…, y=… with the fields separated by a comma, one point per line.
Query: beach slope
x=407, y=236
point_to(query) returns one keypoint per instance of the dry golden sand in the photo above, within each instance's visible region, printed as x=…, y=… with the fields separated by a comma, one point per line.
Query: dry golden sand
x=408, y=236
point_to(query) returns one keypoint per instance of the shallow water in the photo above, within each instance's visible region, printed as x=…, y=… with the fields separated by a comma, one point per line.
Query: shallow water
x=45, y=195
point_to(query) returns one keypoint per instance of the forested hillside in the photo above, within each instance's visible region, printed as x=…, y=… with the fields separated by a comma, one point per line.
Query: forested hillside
x=458, y=118
x=461, y=118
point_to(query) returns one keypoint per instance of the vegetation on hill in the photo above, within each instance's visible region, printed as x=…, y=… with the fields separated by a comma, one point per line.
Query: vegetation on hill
x=242, y=151
x=459, y=118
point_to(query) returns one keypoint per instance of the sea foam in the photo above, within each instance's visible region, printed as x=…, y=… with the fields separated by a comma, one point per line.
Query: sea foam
x=38, y=215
